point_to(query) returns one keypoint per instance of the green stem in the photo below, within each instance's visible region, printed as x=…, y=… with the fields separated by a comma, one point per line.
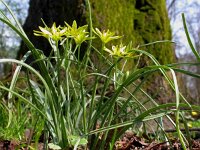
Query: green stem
x=92, y=101
x=82, y=98
x=90, y=35
x=179, y=131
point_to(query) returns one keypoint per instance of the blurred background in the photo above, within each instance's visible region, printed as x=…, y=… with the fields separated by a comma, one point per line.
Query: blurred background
x=10, y=42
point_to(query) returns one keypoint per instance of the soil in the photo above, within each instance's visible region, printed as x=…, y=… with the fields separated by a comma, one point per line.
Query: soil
x=128, y=142
x=136, y=143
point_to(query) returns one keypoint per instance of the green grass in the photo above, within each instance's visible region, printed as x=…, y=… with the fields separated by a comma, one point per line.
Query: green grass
x=79, y=102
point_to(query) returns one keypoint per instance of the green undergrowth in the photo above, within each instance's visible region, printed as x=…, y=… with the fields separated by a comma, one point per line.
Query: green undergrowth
x=75, y=103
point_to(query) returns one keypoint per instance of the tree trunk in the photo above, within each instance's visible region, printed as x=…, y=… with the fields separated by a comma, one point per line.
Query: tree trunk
x=139, y=21
x=50, y=11
x=142, y=22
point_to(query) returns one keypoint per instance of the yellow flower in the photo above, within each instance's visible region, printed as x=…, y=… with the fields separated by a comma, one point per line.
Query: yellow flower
x=105, y=36
x=194, y=113
x=79, y=34
x=189, y=125
x=74, y=30
x=119, y=51
x=80, y=38
x=54, y=33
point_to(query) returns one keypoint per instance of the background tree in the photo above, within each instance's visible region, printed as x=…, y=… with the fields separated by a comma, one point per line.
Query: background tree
x=50, y=11
x=184, y=53
x=140, y=21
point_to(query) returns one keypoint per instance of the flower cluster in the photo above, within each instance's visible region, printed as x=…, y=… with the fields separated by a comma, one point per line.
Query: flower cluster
x=80, y=34
x=116, y=51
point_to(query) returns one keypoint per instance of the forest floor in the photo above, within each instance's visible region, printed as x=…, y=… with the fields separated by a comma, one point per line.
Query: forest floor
x=136, y=143
x=128, y=142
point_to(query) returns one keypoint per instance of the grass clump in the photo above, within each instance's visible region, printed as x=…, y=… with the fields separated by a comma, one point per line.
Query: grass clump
x=75, y=102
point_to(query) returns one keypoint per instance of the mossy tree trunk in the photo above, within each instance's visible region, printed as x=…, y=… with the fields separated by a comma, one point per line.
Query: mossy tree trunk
x=142, y=22
x=139, y=21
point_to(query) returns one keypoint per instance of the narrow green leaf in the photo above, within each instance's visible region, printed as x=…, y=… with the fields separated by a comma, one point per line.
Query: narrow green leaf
x=189, y=39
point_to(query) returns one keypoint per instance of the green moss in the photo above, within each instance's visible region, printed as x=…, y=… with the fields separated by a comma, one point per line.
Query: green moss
x=139, y=21
x=115, y=15
x=155, y=27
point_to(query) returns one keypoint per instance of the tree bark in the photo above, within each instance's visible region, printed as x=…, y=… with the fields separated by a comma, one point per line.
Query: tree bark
x=50, y=11
x=142, y=22
x=139, y=21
